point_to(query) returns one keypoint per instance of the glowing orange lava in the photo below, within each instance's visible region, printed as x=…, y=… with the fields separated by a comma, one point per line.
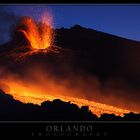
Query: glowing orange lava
x=36, y=95
x=39, y=35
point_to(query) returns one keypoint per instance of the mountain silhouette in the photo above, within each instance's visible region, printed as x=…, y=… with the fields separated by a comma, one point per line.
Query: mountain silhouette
x=102, y=54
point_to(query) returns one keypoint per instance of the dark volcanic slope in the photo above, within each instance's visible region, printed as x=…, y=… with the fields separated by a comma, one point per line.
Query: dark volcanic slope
x=102, y=54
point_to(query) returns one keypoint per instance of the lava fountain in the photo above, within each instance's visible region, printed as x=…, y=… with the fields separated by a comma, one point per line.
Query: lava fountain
x=39, y=34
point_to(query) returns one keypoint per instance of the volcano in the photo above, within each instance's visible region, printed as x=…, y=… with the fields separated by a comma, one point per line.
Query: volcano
x=81, y=65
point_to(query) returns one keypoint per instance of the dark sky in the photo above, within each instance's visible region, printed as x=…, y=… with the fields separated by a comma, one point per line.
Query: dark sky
x=120, y=20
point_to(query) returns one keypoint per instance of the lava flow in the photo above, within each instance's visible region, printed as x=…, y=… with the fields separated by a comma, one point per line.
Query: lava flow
x=36, y=95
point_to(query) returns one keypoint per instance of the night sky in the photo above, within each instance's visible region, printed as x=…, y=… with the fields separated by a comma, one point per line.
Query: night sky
x=120, y=20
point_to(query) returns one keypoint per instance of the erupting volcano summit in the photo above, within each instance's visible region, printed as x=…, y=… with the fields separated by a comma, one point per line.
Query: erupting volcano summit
x=39, y=34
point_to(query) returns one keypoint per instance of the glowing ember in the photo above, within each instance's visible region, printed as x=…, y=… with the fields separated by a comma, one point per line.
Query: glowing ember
x=39, y=35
